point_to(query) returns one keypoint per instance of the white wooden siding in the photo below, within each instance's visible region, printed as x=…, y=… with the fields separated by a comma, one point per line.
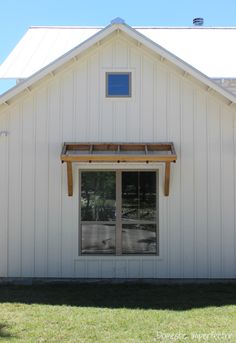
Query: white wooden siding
x=39, y=222
x=200, y=184
x=28, y=188
x=4, y=197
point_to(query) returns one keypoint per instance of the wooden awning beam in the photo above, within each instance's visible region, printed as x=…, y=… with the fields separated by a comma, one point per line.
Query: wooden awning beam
x=167, y=179
x=69, y=178
x=118, y=152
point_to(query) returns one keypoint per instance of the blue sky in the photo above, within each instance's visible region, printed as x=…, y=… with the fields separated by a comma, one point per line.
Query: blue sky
x=17, y=15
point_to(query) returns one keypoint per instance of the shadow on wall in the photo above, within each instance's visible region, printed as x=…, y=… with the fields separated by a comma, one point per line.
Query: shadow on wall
x=133, y=296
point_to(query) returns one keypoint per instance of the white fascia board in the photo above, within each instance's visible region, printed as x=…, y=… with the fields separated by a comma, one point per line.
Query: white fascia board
x=177, y=61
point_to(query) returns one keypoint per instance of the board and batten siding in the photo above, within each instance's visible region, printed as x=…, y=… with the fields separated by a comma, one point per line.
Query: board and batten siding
x=39, y=222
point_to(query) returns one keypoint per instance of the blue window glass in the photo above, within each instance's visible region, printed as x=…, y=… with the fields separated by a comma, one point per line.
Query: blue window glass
x=118, y=84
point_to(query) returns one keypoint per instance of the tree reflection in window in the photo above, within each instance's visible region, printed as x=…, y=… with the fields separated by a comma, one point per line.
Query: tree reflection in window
x=138, y=196
x=98, y=196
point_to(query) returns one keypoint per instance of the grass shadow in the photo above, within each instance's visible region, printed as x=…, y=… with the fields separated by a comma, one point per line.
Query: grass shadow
x=132, y=296
x=3, y=332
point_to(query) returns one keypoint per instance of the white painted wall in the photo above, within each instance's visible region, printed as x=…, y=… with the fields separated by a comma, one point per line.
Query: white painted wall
x=39, y=222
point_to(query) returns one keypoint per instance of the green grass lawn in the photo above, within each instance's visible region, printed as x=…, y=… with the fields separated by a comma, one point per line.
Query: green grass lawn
x=129, y=313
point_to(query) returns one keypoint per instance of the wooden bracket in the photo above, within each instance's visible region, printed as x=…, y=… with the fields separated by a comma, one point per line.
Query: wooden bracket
x=69, y=178
x=167, y=179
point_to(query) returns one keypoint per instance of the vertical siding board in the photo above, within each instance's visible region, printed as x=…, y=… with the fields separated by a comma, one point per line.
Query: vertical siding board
x=133, y=268
x=119, y=120
x=14, y=182
x=120, y=268
x=54, y=184
x=68, y=225
x=93, y=269
x=106, y=55
x=107, y=268
x=41, y=183
x=106, y=128
x=187, y=180
x=147, y=100
x=161, y=266
x=133, y=106
x=160, y=128
x=175, y=239
x=234, y=169
x=214, y=188
x=81, y=102
x=14, y=219
x=27, y=198
x=227, y=181
x=106, y=108
x=94, y=95
x=121, y=53
x=201, y=181
x=148, y=269
x=4, y=197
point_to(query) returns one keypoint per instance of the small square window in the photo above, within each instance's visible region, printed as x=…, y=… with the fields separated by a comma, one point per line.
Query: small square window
x=118, y=85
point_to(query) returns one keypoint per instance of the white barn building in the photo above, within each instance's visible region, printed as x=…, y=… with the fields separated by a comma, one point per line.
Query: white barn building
x=147, y=188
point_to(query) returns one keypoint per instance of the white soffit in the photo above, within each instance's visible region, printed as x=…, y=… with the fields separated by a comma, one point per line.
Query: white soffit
x=209, y=50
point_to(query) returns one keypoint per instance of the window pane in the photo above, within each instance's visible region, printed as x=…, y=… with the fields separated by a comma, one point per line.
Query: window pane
x=147, y=195
x=139, y=239
x=118, y=84
x=130, y=196
x=98, y=196
x=98, y=238
x=138, y=196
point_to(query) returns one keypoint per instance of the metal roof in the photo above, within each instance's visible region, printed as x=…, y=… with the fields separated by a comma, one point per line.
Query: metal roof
x=50, y=69
x=210, y=50
x=39, y=47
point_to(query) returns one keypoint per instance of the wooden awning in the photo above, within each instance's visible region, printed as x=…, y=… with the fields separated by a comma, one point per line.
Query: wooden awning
x=118, y=153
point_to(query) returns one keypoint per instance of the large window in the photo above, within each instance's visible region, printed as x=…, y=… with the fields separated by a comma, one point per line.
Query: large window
x=119, y=212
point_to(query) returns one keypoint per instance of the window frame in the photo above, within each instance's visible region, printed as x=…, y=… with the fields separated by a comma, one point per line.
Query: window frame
x=107, y=73
x=118, y=223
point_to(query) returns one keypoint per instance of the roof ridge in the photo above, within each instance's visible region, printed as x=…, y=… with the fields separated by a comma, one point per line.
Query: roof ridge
x=65, y=27
x=135, y=27
x=186, y=27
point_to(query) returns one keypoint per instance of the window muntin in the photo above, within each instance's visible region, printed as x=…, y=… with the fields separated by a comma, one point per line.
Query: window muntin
x=119, y=212
x=118, y=84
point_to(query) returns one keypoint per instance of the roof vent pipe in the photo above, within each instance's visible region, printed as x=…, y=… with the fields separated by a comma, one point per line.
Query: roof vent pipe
x=198, y=21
